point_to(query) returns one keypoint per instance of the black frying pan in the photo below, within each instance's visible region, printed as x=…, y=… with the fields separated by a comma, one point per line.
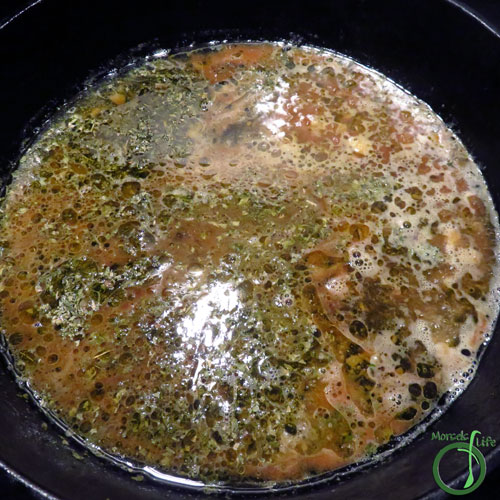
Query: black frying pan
x=432, y=47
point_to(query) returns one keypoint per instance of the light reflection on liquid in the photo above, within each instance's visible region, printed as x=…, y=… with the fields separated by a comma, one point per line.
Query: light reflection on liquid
x=207, y=325
x=273, y=109
x=207, y=320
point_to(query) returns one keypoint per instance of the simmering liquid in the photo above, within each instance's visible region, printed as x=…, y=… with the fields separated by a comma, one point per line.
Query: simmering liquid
x=252, y=261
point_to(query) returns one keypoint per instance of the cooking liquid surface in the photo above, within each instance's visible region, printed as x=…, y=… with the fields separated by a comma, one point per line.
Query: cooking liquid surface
x=246, y=262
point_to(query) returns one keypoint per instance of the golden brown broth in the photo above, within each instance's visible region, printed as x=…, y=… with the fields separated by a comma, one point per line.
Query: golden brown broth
x=253, y=260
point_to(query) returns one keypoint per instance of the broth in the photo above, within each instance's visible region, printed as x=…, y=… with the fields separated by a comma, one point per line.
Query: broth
x=251, y=261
